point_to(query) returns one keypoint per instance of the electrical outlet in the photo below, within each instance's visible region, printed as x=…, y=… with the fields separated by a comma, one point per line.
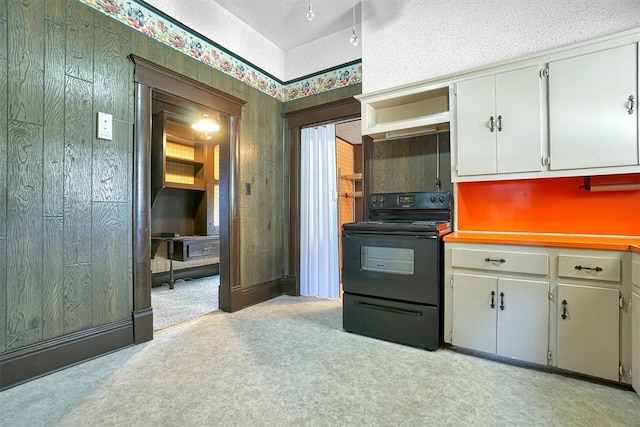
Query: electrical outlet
x=105, y=126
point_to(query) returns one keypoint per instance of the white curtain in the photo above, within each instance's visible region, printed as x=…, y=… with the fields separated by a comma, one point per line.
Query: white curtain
x=319, y=275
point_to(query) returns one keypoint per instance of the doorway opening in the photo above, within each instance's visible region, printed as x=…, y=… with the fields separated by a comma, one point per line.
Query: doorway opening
x=330, y=196
x=185, y=209
x=151, y=78
x=345, y=110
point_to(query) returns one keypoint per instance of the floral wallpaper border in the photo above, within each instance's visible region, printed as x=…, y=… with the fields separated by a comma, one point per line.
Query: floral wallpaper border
x=155, y=26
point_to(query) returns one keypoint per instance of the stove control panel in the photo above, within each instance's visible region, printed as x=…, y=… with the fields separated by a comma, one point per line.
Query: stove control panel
x=422, y=200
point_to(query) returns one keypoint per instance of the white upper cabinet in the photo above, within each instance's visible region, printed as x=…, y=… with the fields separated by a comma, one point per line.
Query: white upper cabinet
x=499, y=123
x=405, y=112
x=593, y=110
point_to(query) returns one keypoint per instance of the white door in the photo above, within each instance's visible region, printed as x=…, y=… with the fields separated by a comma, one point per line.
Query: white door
x=523, y=319
x=589, y=120
x=474, y=312
x=476, y=142
x=518, y=120
x=588, y=330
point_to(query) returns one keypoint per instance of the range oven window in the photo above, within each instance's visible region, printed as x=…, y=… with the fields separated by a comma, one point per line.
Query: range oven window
x=387, y=260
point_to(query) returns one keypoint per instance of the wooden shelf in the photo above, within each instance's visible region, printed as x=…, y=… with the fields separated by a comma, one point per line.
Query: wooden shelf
x=184, y=161
x=352, y=177
x=179, y=185
x=171, y=137
x=405, y=113
x=352, y=194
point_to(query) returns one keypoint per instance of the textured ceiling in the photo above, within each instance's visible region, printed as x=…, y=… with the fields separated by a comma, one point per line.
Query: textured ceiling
x=349, y=131
x=284, y=22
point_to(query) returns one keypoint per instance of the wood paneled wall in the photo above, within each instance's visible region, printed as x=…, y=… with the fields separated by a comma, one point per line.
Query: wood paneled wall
x=411, y=164
x=3, y=178
x=65, y=237
x=66, y=197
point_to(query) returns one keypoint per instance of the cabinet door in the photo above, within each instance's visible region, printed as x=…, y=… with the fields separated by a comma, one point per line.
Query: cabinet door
x=589, y=120
x=518, y=125
x=476, y=143
x=635, y=341
x=523, y=319
x=588, y=330
x=474, y=318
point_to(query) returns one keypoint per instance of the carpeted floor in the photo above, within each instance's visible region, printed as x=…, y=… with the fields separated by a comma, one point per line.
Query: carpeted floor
x=187, y=300
x=287, y=362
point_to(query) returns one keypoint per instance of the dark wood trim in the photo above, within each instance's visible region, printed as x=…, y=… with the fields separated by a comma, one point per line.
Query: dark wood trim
x=43, y=358
x=367, y=173
x=151, y=77
x=294, y=209
x=330, y=112
x=157, y=279
x=164, y=79
x=142, y=315
x=245, y=297
x=229, y=218
x=289, y=286
x=142, y=325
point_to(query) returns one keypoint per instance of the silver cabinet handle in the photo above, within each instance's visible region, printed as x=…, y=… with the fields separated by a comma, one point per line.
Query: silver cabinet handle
x=631, y=104
x=491, y=124
x=499, y=123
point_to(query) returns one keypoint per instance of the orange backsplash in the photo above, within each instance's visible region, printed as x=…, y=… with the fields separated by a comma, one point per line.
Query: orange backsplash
x=550, y=205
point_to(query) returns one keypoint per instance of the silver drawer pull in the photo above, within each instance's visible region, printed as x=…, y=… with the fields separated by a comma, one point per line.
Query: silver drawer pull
x=206, y=249
x=501, y=260
x=579, y=267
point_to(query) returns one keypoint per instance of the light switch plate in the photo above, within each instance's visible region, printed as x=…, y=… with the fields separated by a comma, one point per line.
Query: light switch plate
x=105, y=126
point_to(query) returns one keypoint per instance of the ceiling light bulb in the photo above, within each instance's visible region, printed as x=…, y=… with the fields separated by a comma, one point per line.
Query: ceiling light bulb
x=206, y=124
x=354, y=40
x=310, y=14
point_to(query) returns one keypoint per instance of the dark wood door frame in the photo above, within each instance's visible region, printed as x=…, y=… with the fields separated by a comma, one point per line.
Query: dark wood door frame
x=331, y=112
x=149, y=77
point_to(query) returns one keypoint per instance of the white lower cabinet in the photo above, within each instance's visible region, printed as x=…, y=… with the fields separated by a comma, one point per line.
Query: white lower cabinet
x=635, y=340
x=563, y=307
x=504, y=316
x=635, y=323
x=589, y=330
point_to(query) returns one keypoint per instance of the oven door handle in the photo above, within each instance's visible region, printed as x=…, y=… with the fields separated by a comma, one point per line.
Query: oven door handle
x=387, y=309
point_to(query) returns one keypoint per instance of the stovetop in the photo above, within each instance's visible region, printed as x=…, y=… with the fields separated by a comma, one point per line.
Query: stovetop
x=389, y=227
x=422, y=212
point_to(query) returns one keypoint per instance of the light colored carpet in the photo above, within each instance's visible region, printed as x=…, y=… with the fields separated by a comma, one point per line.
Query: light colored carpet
x=287, y=362
x=187, y=300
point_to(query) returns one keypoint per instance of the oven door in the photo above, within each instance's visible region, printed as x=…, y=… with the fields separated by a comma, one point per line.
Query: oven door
x=399, y=266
